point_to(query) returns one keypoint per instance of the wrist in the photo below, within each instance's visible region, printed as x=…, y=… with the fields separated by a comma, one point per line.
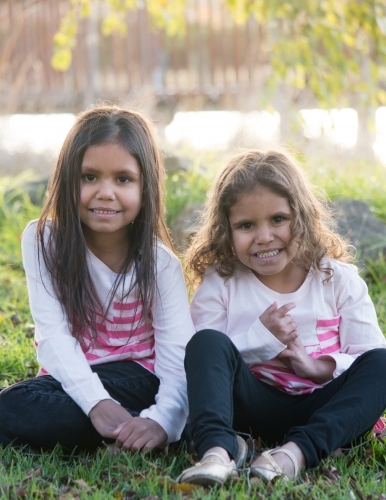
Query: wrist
x=324, y=370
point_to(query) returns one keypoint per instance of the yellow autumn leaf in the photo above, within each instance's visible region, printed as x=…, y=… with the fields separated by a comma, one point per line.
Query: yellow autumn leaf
x=113, y=24
x=60, y=39
x=61, y=60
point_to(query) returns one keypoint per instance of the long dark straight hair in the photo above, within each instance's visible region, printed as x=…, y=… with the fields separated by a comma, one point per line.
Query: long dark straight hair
x=64, y=250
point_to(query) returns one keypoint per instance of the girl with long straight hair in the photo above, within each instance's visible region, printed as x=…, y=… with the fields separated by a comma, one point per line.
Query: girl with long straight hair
x=107, y=296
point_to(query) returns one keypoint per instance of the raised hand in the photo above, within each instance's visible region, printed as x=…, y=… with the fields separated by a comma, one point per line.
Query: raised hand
x=140, y=434
x=280, y=323
x=296, y=357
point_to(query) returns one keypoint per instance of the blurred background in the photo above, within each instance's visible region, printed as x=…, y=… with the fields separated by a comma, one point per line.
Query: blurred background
x=212, y=74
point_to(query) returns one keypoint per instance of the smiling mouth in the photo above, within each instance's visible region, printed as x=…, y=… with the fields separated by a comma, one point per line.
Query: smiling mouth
x=104, y=212
x=264, y=255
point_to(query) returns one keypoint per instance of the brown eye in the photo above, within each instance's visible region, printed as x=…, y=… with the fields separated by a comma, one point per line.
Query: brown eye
x=123, y=180
x=89, y=177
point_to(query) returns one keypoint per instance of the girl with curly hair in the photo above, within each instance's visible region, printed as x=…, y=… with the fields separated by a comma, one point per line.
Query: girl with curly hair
x=288, y=345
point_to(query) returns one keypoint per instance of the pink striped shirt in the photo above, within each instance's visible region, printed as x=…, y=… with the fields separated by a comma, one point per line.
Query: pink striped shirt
x=122, y=334
x=335, y=319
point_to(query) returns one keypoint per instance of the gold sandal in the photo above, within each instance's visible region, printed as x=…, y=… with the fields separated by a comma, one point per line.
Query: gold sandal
x=267, y=468
x=212, y=470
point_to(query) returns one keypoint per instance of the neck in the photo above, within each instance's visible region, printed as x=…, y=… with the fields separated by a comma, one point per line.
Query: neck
x=111, y=249
x=288, y=281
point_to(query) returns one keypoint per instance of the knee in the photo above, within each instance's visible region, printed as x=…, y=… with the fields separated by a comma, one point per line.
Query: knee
x=375, y=357
x=207, y=341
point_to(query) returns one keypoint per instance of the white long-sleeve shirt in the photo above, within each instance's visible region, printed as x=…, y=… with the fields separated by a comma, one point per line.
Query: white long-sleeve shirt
x=159, y=347
x=335, y=319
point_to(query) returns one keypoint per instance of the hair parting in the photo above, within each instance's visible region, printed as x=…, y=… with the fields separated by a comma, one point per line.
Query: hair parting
x=63, y=248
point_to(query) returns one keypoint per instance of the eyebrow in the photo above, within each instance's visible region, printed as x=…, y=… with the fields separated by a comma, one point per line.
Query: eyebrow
x=237, y=222
x=125, y=172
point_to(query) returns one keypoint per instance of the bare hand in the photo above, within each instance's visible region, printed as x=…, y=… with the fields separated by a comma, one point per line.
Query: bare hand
x=140, y=434
x=280, y=323
x=107, y=415
x=296, y=357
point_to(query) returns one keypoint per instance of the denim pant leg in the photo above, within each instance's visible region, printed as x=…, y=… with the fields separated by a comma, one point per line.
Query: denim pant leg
x=224, y=396
x=38, y=413
x=344, y=409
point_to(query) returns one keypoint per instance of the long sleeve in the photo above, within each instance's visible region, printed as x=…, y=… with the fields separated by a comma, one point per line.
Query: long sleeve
x=173, y=328
x=57, y=351
x=62, y=357
x=215, y=306
x=358, y=329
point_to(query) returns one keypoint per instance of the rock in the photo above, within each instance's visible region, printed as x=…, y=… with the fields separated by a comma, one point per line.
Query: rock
x=175, y=163
x=355, y=221
x=185, y=226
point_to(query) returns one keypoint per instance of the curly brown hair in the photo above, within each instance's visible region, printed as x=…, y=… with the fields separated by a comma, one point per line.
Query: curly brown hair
x=313, y=222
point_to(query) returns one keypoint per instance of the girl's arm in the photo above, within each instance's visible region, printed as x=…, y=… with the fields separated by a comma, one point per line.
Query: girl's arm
x=58, y=352
x=235, y=311
x=358, y=330
x=173, y=328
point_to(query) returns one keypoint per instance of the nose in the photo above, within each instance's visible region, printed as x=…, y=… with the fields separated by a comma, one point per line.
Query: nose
x=263, y=234
x=105, y=191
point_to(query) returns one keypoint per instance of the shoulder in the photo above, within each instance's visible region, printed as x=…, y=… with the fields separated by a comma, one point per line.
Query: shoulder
x=345, y=277
x=30, y=229
x=341, y=270
x=29, y=232
x=28, y=238
x=165, y=258
x=213, y=279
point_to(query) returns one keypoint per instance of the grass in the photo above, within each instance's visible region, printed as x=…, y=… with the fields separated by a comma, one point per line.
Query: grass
x=358, y=474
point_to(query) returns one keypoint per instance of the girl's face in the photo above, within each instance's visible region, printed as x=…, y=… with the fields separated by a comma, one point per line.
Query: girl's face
x=260, y=225
x=111, y=192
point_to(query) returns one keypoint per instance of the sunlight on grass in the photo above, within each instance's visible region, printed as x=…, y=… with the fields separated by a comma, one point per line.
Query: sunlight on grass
x=57, y=475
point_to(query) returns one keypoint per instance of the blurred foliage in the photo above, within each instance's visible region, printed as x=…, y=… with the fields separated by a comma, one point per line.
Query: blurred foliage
x=334, y=48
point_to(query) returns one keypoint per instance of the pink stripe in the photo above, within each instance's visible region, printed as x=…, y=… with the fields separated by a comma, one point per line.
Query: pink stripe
x=327, y=335
x=146, y=364
x=314, y=355
x=111, y=350
x=328, y=322
x=291, y=377
x=122, y=333
x=129, y=306
x=123, y=320
x=266, y=366
x=331, y=348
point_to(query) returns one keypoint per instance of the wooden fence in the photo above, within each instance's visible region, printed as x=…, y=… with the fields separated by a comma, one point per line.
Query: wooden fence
x=214, y=59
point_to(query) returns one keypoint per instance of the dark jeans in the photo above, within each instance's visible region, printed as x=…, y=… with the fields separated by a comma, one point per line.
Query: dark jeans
x=224, y=398
x=38, y=413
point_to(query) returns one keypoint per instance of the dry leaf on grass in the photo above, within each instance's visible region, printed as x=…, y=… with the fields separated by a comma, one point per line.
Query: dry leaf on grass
x=331, y=473
x=126, y=495
x=82, y=484
x=31, y=474
x=184, y=488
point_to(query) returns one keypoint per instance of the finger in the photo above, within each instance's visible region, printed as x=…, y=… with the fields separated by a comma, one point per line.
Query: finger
x=292, y=336
x=118, y=429
x=136, y=443
x=124, y=435
x=272, y=308
x=283, y=310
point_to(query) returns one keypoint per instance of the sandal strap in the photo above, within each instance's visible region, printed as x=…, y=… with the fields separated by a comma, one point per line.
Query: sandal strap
x=289, y=454
x=213, y=454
